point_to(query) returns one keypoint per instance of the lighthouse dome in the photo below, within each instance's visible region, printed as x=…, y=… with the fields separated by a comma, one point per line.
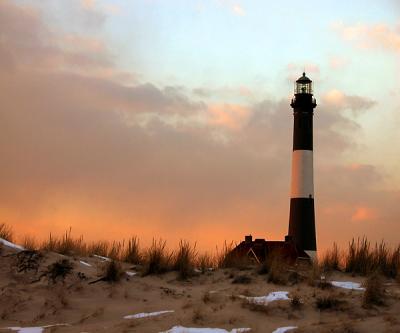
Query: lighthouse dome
x=303, y=79
x=303, y=85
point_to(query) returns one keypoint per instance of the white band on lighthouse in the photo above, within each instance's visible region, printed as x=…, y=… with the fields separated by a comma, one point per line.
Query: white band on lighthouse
x=302, y=174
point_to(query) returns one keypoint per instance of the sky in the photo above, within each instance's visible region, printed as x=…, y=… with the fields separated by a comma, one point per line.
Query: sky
x=172, y=118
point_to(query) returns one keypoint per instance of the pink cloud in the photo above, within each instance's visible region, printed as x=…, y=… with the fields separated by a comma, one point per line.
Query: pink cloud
x=337, y=62
x=371, y=36
x=228, y=115
x=363, y=213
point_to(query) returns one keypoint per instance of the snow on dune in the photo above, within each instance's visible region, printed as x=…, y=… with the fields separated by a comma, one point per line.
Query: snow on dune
x=348, y=285
x=85, y=263
x=130, y=273
x=12, y=245
x=101, y=257
x=273, y=296
x=181, y=329
x=147, y=314
x=284, y=329
x=38, y=329
x=27, y=329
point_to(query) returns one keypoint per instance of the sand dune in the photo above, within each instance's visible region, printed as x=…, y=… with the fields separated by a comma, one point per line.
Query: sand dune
x=206, y=303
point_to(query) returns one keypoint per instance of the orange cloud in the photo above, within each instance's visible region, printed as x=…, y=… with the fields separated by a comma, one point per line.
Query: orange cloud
x=230, y=116
x=363, y=213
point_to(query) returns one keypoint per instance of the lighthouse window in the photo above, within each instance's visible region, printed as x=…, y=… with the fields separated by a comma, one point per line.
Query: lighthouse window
x=303, y=88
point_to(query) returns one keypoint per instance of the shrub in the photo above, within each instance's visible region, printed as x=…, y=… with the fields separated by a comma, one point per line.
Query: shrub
x=332, y=259
x=66, y=245
x=112, y=271
x=184, y=260
x=205, y=261
x=115, y=250
x=132, y=253
x=230, y=259
x=374, y=291
x=59, y=270
x=28, y=260
x=100, y=248
x=6, y=232
x=328, y=303
x=264, y=267
x=157, y=260
x=359, y=258
x=29, y=243
x=253, y=306
x=295, y=302
x=242, y=279
x=277, y=270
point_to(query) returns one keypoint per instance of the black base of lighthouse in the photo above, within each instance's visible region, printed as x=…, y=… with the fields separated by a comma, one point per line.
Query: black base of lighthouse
x=302, y=223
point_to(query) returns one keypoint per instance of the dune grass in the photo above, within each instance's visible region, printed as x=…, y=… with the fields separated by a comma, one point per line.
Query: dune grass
x=6, y=232
x=157, y=258
x=359, y=258
x=184, y=260
x=132, y=253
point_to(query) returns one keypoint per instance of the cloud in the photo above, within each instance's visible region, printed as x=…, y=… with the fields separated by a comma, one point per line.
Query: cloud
x=338, y=99
x=229, y=116
x=338, y=62
x=112, y=158
x=371, y=36
x=363, y=214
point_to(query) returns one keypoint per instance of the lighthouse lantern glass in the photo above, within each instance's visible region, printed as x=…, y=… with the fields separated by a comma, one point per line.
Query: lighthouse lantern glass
x=303, y=88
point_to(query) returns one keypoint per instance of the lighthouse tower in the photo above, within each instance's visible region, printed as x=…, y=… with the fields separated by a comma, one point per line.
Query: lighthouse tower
x=302, y=216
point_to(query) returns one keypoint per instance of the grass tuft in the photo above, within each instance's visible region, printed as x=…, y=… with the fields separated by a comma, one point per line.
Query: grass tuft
x=157, y=259
x=59, y=270
x=6, y=232
x=113, y=271
x=184, y=261
x=242, y=279
x=131, y=253
x=374, y=291
x=29, y=243
x=328, y=303
x=66, y=244
x=277, y=273
x=205, y=262
x=332, y=259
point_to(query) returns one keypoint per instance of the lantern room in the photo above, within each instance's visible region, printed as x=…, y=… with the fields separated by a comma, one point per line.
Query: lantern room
x=303, y=85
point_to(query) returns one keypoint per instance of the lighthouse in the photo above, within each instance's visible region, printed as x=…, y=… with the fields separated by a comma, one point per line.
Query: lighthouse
x=301, y=240
x=302, y=216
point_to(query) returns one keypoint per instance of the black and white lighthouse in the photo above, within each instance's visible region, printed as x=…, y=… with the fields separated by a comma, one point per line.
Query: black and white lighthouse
x=302, y=216
x=301, y=240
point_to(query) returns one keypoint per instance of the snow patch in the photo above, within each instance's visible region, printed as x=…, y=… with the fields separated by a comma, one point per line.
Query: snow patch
x=12, y=245
x=348, y=285
x=284, y=329
x=147, y=314
x=181, y=329
x=85, y=263
x=38, y=329
x=273, y=296
x=101, y=257
x=130, y=273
